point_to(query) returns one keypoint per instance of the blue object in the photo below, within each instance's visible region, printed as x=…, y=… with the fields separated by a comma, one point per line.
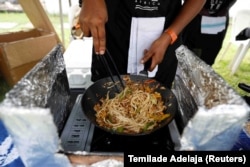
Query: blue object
x=243, y=142
x=9, y=156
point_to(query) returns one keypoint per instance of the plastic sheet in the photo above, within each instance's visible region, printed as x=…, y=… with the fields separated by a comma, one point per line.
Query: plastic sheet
x=35, y=136
x=221, y=112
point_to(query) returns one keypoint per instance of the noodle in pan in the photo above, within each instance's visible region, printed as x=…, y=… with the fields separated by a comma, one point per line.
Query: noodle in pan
x=138, y=108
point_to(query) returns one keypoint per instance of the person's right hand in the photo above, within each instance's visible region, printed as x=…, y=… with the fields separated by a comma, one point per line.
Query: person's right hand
x=93, y=17
x=156, y=51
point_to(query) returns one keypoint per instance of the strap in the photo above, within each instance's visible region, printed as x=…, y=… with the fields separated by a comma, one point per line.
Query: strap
x=172, y=34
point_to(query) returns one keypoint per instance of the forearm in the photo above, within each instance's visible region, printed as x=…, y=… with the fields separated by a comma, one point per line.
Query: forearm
x=189, y=10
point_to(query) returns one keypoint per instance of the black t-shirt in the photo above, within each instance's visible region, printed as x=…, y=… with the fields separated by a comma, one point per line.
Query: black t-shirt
x=218, y=7
x=120, y=13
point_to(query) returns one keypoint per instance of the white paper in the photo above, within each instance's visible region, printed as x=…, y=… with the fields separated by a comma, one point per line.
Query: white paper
x=212, y=25
x=141, y=37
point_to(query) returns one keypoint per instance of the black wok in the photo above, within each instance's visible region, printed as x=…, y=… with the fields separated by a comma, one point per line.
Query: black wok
x=99, y=89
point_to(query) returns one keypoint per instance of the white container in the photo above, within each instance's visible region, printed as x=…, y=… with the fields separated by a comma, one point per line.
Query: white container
x=78, y=57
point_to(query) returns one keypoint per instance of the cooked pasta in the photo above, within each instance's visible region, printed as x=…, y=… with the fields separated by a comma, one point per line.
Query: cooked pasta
x=136, y=109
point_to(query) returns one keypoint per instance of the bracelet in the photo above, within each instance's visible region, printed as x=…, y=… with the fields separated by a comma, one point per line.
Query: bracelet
x=80, y=3
x=172, y=35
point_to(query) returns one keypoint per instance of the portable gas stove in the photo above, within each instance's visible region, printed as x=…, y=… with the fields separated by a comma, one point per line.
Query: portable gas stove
x=80, y=134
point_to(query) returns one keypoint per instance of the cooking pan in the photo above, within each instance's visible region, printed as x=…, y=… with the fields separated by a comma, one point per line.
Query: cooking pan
x=99, y=89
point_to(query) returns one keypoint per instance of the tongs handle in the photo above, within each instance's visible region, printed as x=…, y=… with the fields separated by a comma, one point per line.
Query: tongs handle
x=147, y=65
x=105, y=63
x=116, y=69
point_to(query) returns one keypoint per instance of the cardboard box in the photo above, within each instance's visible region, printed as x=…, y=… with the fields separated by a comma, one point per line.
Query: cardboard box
x=20, y=51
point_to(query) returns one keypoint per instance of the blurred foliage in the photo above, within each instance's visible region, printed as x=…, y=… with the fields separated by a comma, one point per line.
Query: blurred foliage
x=223, y=63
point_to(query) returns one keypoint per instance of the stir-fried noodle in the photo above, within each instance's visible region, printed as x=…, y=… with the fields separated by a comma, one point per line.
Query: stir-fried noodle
x=136, y=109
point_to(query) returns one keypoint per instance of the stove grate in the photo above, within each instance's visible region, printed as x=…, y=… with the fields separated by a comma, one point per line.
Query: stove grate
x=78, y=132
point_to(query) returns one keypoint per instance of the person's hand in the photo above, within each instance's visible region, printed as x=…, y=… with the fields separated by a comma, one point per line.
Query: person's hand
x=243, y=35
x=156, y=51
x=93, y=17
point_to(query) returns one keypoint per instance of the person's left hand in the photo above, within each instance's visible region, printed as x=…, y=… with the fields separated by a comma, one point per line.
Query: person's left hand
x=156, y=51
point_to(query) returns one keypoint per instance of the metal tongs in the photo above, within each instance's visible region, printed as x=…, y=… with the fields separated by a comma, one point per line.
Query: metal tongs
x=103, y=58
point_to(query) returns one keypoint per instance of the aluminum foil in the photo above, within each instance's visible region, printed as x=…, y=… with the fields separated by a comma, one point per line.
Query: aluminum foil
x=220, y=113
x=45, y=86
x=36, y=139
x=36, y=109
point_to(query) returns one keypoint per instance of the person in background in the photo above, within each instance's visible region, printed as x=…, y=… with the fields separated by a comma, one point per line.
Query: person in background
x=204, y=35
x=243, y=34
x=243, y=142
x=136, y=31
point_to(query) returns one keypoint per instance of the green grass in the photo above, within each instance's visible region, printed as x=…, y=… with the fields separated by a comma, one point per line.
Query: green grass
x=4, y=87
x=23, y=23
x=220, y=66
x=20, y=18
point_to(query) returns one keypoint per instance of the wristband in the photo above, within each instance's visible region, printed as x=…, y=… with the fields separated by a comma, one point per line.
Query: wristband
x=172, y=35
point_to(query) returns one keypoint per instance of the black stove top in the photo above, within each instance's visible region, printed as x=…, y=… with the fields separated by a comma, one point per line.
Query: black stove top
x=81, y=135
x=104, y=141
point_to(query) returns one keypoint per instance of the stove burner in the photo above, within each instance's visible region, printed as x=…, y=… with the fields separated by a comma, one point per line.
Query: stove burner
x=80, y=134
x=160, y=140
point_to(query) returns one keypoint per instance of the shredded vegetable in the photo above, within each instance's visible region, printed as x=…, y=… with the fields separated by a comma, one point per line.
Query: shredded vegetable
x=138, y=108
